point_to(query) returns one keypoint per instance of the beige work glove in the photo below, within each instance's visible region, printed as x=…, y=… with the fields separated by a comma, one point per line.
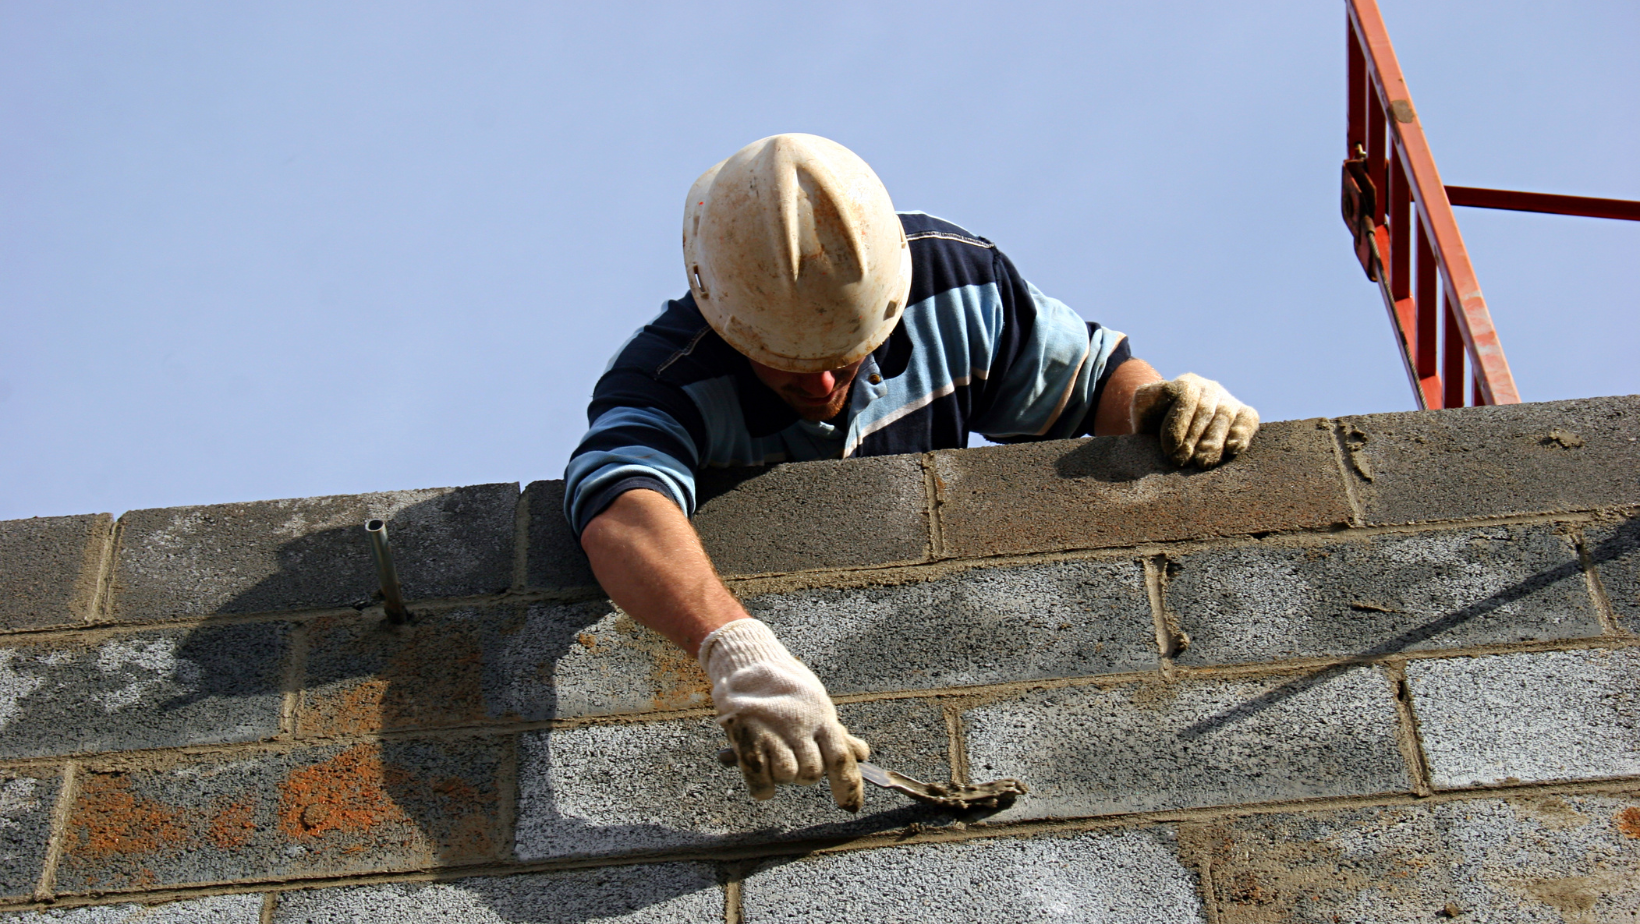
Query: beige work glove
x=778, y=717
x=1199, y=422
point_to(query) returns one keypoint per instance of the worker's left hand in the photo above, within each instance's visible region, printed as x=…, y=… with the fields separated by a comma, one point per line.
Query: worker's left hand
x=1198, y=421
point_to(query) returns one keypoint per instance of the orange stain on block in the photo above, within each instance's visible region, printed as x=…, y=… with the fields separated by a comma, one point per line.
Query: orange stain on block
x=1628, y=822
x=233, y=826
x=111, y=820
x=345, y=793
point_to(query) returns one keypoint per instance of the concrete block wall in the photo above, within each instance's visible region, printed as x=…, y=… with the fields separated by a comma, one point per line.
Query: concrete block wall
x=1380, y=668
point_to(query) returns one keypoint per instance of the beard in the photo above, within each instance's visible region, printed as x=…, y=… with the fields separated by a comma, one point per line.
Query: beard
x=808, y=409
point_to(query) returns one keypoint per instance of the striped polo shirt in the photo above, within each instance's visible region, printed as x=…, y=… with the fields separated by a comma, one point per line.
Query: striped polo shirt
x=977, y=350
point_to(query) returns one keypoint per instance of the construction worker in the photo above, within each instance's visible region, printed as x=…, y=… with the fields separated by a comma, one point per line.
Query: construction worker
x=820, y=324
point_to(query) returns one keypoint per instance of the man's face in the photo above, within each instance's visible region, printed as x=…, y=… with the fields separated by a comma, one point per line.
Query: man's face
x=813, y=395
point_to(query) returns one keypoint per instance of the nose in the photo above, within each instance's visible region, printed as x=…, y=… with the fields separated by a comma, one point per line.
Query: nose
x=817, y=384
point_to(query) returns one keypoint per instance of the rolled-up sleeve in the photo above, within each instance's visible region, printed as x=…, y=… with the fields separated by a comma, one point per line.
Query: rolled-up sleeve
x=635, y=440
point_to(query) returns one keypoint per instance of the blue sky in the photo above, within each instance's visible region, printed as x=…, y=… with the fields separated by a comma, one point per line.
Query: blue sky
x=270, y=250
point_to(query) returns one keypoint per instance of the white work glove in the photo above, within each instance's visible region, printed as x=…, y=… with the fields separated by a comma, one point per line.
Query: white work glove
x=1199, y=422
x=777, y=715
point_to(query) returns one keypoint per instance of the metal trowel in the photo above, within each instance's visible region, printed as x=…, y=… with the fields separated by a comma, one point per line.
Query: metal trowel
x=958, y=797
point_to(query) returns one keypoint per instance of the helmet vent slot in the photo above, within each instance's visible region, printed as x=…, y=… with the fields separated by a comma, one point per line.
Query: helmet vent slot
x=700, y=287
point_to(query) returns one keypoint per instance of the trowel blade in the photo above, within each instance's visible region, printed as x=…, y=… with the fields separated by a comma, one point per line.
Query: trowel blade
x=963, y=797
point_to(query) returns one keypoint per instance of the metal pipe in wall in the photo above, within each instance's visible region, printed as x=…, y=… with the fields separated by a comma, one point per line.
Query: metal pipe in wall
x=392, y=597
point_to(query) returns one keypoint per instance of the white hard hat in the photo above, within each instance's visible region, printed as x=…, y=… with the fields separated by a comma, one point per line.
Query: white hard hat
x=794, y=253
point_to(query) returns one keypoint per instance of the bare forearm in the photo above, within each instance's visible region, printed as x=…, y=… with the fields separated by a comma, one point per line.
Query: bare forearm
x=651, y=563
x=1112, y=417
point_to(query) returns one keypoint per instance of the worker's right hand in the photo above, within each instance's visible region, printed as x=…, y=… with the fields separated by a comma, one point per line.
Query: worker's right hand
x=778, y=716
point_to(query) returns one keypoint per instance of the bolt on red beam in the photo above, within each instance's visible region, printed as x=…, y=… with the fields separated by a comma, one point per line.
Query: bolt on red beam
x=1392, y=123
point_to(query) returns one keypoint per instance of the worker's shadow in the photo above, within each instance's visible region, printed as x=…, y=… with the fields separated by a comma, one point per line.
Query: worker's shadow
x=401, y=763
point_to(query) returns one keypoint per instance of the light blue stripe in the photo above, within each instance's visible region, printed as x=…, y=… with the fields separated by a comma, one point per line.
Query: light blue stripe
x=954, y=338
x=589, y=472
x=1050, y=364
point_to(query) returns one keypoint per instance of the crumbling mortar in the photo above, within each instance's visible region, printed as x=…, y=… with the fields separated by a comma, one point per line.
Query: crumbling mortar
x=56, y=840
x=956, y=742
x=890, y=574
x=1597, y=588
x=1407, y=736
x=965, y=697
x=1171, y=639
x=521, y=543
x=736, y=874
x=102, y=596
x=754, y=853
x=932, y=499
x=1346, y=460
x=1194, y=855
x=293, y=681
x=877, y=574
x=506, y=797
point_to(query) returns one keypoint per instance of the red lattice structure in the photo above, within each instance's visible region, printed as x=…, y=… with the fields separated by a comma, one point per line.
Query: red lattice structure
x=1401, y=217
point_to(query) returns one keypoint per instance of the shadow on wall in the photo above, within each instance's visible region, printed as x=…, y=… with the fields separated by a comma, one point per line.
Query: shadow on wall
x=1624, y=539
x=399, y=765
x=430, y=792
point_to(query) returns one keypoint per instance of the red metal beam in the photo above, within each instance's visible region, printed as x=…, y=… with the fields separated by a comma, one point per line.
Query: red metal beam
x=1390, y=105
x=1587, y=206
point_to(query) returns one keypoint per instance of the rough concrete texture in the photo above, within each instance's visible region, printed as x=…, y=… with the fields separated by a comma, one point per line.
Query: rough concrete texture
x=486, y=664
x=169, y=688
x=312, y=552
x=49, y=569
x=25, y=827
x=1380, y=594
x=1549, y=858
x=214, y=909
x=1132, y=877
x=1553, y=715
x=807, y=515
x=1614, y=551
x=1119, y=491
x=554, y=560
x=983, y=625
x=402, y=804
x=1149, y=746
x=1495, y=461
x=670, y=892
x=626, y=788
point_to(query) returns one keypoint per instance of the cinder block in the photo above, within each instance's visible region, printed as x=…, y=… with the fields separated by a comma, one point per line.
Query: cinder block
x=807, y=515
x=1131, y=877
x=1378, y=595
x=1614, y=550
x=1152, y=746
x=554, y=560
x=1545, y=858
x=1495, y=461
x=491, y=664
x=1551, y=715
x=403, y=804
x=585, y=660
x=1119, y=491
x=612, y=789
x=981, y=625
x=49, y=568
x=684, y=893
x=312, y=552
x=167, y=688
x=213, y=909
x=26, y=804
